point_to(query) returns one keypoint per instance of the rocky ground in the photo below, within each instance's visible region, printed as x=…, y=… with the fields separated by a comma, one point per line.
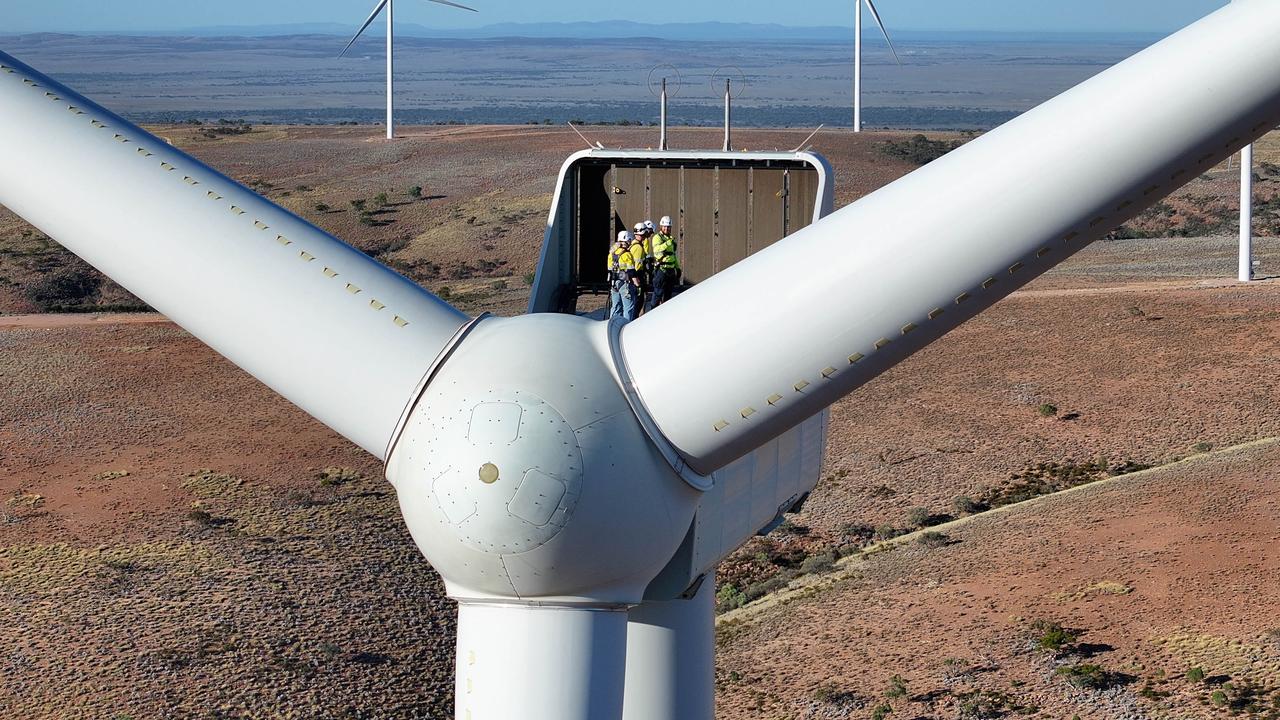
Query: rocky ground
x=177, y=541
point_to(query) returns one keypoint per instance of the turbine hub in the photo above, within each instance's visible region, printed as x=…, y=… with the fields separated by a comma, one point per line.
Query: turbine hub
x=523, y=473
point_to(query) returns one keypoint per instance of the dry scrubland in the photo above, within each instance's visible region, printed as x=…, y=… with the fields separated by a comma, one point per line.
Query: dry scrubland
x=176, y=541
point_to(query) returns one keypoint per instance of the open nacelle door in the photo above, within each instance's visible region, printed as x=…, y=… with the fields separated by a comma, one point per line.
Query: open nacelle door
x=725, y=206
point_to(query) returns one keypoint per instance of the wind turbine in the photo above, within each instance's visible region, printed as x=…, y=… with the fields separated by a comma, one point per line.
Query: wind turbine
x=857, y=56
x=560, y=473
x=388, y=4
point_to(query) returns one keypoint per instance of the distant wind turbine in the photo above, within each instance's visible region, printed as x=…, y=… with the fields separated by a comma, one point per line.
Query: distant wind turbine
x=857, y=56
x=391, y=129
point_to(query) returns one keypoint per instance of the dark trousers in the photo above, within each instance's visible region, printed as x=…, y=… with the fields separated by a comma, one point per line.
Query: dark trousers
x=664, y=282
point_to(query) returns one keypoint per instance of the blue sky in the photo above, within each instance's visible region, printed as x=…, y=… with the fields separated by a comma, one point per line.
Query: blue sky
x=967, y=15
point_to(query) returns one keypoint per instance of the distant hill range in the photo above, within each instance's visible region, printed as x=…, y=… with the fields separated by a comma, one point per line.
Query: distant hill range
x=713, y=31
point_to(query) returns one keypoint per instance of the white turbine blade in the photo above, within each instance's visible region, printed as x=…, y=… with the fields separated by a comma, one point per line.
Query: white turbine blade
x=453, y=4
x=329, y=328
x=769, y=342
x=368, y=21
x=876, y=14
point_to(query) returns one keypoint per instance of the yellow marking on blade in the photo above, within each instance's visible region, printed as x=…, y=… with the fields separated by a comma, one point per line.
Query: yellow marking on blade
x=986, y=284
x=353, y=289
x=801, y=385
x=329, y=273
x=962, y=297
x=306, y=255
x=827, y=372
x=213, y=195
x=908, y=328
x=283, y=240
x=721, y=425
x=774, y=399
x=376, y=305
x=401, y=321
x=1015, y=267
x=260, y=225
x=936, y=313
x=747, y=412
x=854, y=358
x=882, y=343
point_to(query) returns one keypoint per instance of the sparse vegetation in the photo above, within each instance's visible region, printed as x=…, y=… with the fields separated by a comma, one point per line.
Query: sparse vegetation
x=933, y=539
x=965, y=505
x=820, y=563
x=322, y=207
x=919, y=517
x=897, y=688
x=919, y=149
x=1047, y=410
x=1053, y=637
x=333, y=476
x=1051, y=477
x=990, y=705
x=1195, y=675
x=415, y=192
x=1086, y=676
x=72, y=286
x=201, y=517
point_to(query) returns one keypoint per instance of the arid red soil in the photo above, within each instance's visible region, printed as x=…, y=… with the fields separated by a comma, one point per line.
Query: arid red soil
x=1154, y=574
x=251, y=563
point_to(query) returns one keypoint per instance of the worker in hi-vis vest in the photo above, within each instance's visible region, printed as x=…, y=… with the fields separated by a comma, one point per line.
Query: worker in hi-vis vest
x=624, y=278
x=666, y=266
x=642, y=251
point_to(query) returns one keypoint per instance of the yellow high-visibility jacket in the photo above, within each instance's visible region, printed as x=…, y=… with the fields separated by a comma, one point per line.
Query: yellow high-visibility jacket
x=664, y=252
x=624, y=261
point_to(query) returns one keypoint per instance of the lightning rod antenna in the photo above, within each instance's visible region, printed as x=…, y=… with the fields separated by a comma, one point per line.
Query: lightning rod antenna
x=728, y=116
x=662, y=139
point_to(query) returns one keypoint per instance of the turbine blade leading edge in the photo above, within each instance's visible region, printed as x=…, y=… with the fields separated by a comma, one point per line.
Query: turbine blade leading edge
x=754, y=350
x=376, y=9
x=876, y=14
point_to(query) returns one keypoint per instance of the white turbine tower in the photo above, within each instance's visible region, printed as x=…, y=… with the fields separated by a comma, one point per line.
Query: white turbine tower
x=389, y=5
x=558, y=472
x=857, y=56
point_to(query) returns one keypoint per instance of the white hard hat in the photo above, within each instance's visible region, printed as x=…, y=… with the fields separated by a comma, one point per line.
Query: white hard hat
x=648, y=225
x=665, y=221
x=625, y=236
x=639, y=227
